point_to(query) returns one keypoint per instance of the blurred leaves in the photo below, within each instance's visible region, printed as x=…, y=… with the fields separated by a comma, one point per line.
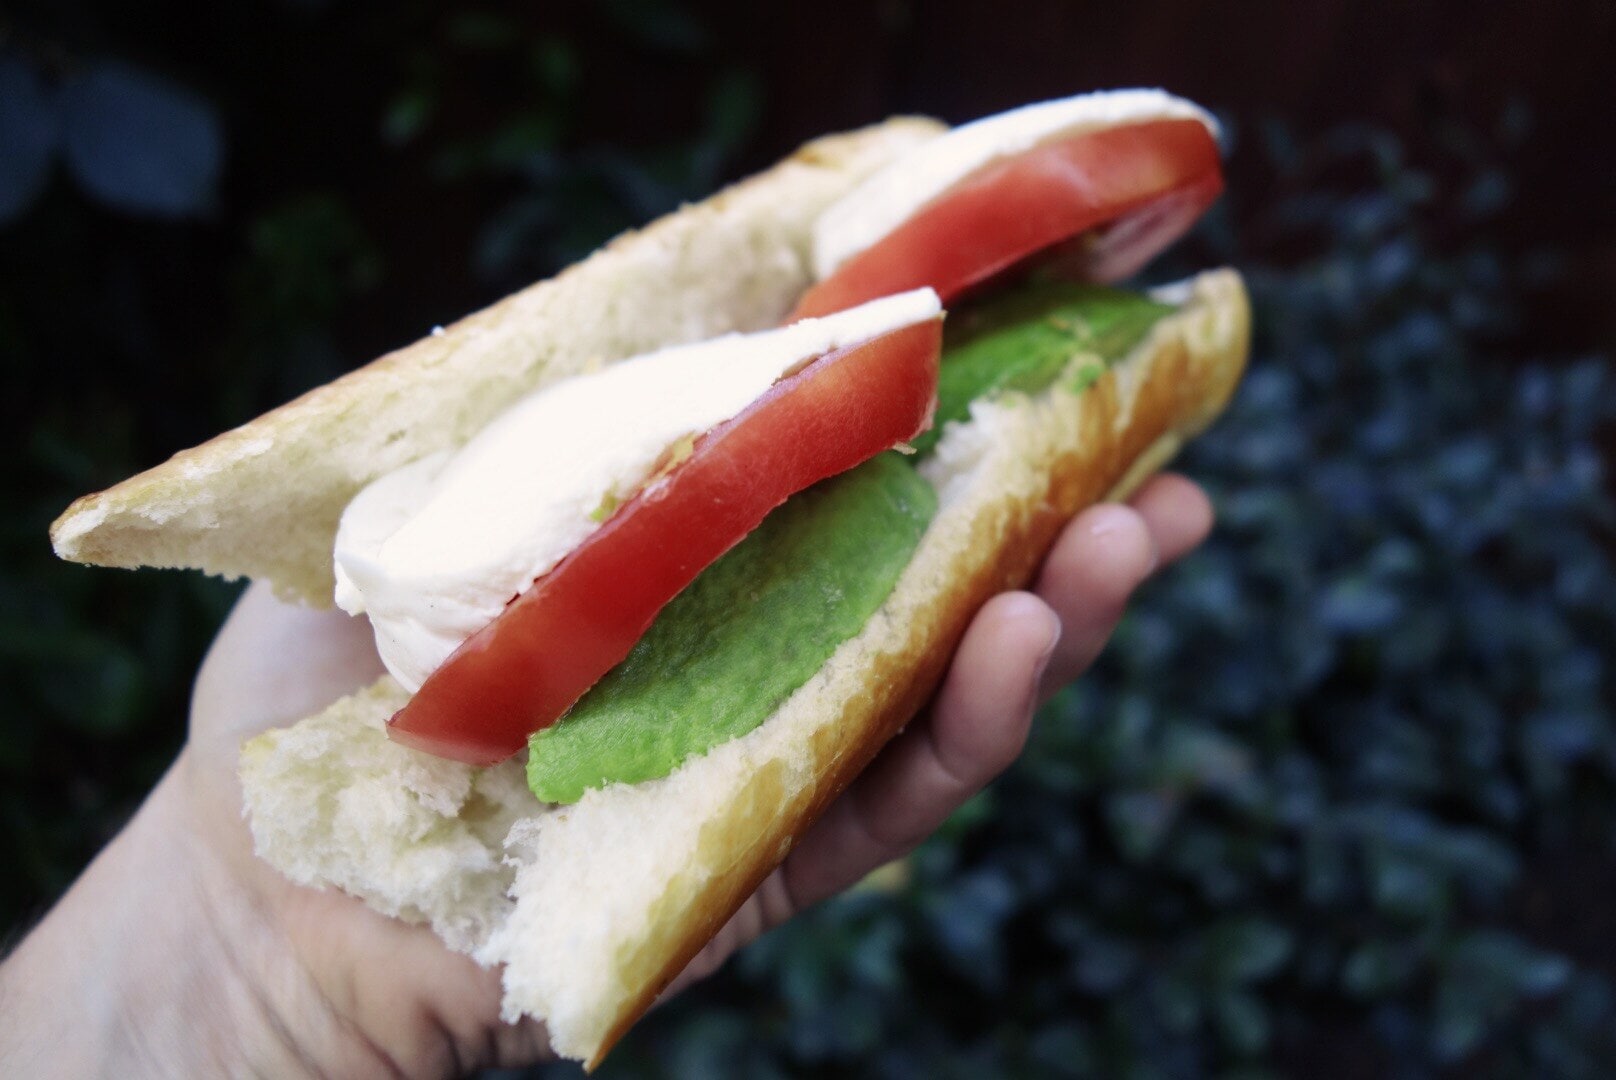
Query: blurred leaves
x=30, y=122
x=140, y=143
x=1292, y=810
x=566, y=193
x=574, y=200
x=134, y=141
x=306, y=259
x=662, y=24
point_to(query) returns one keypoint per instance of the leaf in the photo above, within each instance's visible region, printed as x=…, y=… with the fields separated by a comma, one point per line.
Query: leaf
x=1242, y=1021
x=1504, y=966
x=1102, y=965
x=407, y=114
x=1379, y=967
x=554, y=64
x=482, y=31
x=968, y=920
x=1359, y=606
x=734, y=106
x=1406, y=887
x=1177, y=1001
x=141, y=144
x=1194, y=756
x=30, y=126
x=1488, y=194
x=1457, y=1029
x=1140, y=821
x=1248, y=950
x=660, y=24
x=1063, y=1050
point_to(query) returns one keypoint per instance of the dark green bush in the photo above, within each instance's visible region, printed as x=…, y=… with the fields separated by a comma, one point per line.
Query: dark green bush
x=1333, y=801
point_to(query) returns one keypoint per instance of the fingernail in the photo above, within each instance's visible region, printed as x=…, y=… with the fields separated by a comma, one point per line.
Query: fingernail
x=1049, y=650
x=1040, y=665
x=1104, y=523
x=1022, y=606
x=1111, y=520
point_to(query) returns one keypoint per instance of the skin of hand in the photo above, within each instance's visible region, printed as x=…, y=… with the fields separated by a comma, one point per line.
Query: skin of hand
x=178, y=952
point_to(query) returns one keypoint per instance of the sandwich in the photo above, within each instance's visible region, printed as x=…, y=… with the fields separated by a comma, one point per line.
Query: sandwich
x=587, y=806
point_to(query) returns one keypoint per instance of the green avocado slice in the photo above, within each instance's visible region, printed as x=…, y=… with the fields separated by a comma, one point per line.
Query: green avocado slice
x=1024, y=339
x=756, y=625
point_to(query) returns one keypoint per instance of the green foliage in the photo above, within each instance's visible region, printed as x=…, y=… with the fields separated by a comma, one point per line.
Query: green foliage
x=130, y=139
x=571, y=202
x=569, y=195
x=1290, y=819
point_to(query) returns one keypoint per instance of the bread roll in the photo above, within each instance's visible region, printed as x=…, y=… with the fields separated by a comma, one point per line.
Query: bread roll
x=602, y=903
x=592, y=909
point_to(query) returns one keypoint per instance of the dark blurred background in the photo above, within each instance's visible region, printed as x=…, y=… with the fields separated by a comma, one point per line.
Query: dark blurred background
x=1339, y=802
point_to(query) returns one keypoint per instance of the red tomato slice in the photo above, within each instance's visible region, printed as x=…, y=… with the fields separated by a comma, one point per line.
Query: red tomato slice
x=526, y=668
x=1123, y=193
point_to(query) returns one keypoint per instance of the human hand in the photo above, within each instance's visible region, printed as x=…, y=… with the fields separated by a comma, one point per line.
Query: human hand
x=203, y=955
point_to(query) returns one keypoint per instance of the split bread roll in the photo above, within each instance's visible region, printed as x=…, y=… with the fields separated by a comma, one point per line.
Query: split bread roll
x=593, y=908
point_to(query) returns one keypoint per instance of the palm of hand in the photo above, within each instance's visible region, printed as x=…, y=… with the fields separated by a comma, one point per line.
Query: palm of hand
x=415, y=1003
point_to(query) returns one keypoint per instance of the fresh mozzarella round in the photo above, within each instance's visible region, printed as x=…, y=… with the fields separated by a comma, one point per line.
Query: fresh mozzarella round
x=893, y=195
x=434, y=551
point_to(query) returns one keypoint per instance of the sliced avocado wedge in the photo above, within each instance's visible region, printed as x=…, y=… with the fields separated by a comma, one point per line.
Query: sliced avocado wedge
x=1024, y=339
x=755, y=626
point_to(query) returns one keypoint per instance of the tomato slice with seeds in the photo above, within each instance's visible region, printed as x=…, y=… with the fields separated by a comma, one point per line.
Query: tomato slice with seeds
x=1116, y=196
x=553, y=641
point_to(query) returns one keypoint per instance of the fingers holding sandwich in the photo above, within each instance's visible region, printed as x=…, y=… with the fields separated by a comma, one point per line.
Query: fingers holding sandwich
x=974, y=730
x=1177, y=512
x=1103, y=555
x=1019, y=649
